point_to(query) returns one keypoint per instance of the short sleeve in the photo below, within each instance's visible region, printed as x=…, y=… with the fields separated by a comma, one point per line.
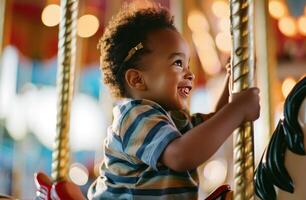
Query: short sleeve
x=145, y=132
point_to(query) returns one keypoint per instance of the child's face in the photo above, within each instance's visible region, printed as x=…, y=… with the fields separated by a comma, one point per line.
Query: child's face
x=166, y=69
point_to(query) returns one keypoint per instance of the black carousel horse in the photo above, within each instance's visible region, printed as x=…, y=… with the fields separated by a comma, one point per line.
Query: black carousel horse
x=284, y=163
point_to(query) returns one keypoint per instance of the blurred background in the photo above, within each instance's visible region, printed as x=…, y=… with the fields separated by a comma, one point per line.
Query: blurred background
x=28, y=68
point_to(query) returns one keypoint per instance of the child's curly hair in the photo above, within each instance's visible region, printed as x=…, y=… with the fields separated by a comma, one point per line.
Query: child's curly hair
x=126, y=30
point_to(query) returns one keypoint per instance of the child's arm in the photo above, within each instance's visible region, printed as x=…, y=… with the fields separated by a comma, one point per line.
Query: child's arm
x=200, y=143
x=224, y=96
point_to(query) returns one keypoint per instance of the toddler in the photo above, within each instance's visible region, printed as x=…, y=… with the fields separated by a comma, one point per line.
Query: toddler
x=153, y=147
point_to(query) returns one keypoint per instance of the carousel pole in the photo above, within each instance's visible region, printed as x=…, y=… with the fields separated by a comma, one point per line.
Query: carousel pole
x=242, y=70
x=2, y=16
x=65, y=83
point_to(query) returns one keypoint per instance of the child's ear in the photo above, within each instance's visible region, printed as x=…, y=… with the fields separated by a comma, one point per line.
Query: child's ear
x=135, y=79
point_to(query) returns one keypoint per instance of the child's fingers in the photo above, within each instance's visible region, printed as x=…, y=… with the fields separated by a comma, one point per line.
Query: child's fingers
x=228, y=68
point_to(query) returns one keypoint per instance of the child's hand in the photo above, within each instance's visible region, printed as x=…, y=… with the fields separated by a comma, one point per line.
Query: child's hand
x=247, y=102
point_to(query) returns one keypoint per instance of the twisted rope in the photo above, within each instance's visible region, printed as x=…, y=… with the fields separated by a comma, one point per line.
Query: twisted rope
x=242, y=70
x=65, y=81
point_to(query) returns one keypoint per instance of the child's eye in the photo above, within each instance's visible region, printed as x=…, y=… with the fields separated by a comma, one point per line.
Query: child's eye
x=178, y=63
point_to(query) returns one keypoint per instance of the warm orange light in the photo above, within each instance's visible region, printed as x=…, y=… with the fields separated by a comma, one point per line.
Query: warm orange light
x=203, y=40
x=87, y=25
x=197, y=21
x=287, y=26
x=51, y=14
x=224, y=24
x=277, y=9
x=287, y=86
x=302, y=25
x=223, y=41
x=221, y=9
x=207, y=52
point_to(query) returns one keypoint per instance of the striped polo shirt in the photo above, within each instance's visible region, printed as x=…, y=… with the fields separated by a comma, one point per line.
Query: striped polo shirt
x=140, y=132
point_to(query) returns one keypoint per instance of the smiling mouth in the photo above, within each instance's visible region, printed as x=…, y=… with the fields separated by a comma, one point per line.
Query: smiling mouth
x=184, y=91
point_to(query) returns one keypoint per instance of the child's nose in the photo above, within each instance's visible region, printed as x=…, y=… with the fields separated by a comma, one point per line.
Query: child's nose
x=189, y=75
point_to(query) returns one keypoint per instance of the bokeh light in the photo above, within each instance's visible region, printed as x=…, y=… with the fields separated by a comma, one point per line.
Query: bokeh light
x=51, y=15
x=87, y=26
x=224, y=24
x=277, y=9
x=302, y=25
x=197, y=21
x=78, y=174
x=207, y=52
x=221, y=9
x=215, y=173
x=287, y=26
x=223, y=42
x=17, y=116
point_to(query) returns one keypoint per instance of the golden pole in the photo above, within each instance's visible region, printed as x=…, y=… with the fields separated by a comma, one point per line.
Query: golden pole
x=265, y=63
x=2, y=16
x=65, y=82
x=242, y=70
x=265, y=74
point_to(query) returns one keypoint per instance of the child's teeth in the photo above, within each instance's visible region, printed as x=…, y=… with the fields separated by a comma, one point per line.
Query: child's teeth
x=185, y=90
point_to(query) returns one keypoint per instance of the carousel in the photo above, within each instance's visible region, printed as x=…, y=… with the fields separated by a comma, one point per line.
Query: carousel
x=280, y=172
